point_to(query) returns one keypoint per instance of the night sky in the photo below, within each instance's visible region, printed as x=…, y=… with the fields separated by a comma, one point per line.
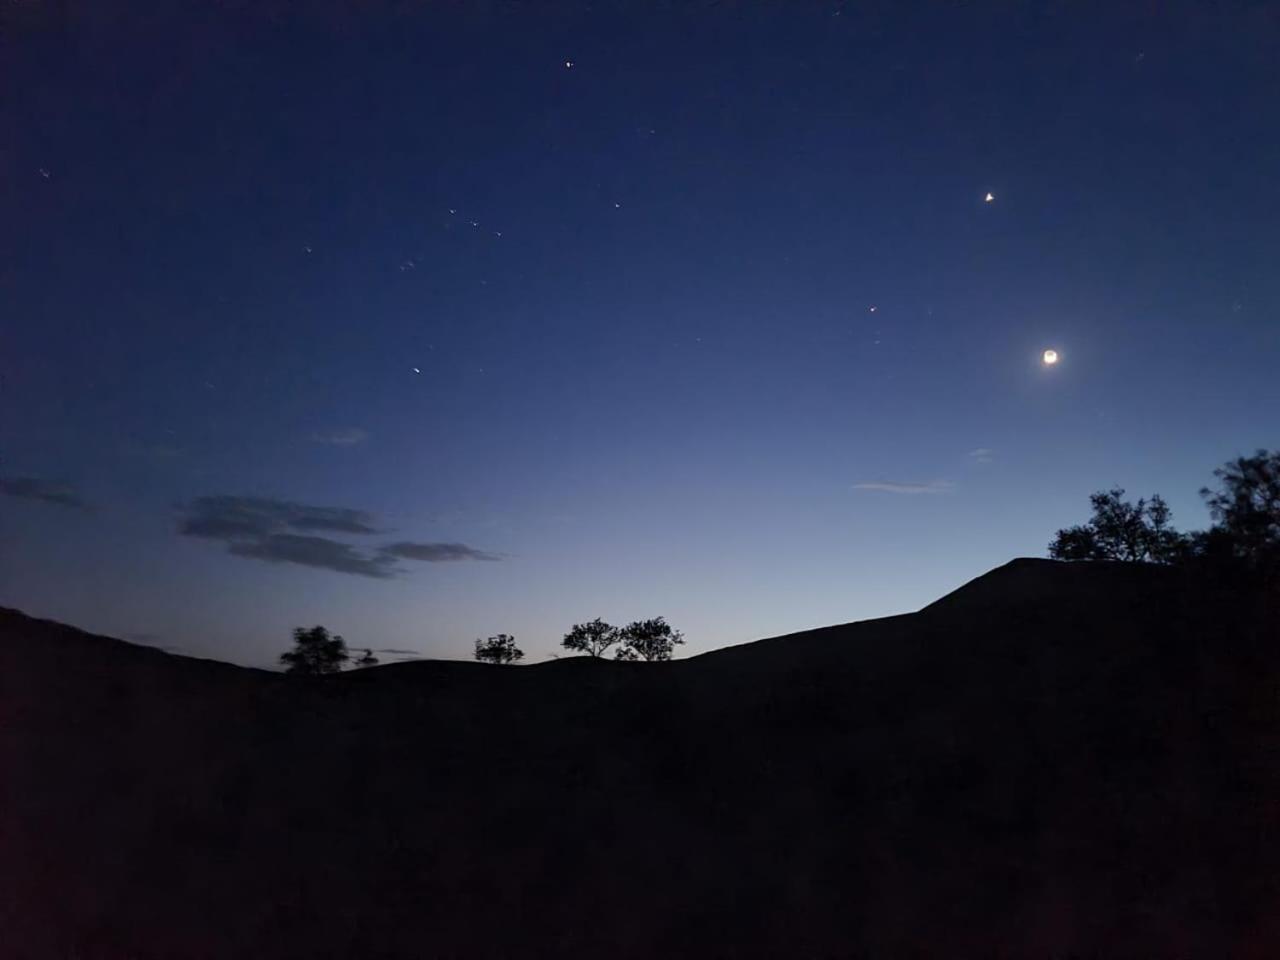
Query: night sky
x=426, y=322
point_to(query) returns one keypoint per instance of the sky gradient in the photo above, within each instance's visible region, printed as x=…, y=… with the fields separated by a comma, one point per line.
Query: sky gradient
x=428, y=322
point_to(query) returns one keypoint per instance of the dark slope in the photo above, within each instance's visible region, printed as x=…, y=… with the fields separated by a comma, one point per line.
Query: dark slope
x=1054, y=760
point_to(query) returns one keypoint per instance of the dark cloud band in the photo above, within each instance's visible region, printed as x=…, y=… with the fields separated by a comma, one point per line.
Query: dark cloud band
x=316, y=552
x=45, y=491
x=285, y=531
x=437, y=552
x=226, y=518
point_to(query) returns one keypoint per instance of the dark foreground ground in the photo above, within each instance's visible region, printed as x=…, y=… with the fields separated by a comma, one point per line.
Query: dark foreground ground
x=1055, y=761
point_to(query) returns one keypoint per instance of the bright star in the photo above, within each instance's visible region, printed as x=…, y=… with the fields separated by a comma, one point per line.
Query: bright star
x=1050, y=357
x=988, y=198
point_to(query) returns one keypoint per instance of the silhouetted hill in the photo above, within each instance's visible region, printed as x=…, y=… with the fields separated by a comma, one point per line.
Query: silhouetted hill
x=1055, y=760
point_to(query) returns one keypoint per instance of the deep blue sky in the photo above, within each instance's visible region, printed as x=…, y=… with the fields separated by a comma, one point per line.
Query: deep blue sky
x=638, y=296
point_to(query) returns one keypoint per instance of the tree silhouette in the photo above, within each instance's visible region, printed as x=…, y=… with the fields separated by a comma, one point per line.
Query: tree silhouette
x=1246, y=508
x=593, y=638
x=314, y=652
x=648, y=640
x=1130, y=532
x=368, y=660
x=499, y=649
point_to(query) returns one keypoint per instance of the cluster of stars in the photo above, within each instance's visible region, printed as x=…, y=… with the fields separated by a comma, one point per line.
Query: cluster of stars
x=453, y=212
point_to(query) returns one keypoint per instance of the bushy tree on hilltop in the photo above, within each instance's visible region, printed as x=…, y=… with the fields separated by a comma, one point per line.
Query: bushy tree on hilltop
x=651, y=640
x=1246, y=508
x=315, y=652
x=1119, y=530
x=593, y=638
x=500, y=650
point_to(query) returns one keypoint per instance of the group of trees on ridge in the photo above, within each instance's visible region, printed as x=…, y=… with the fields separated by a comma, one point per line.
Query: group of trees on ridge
x=652, y=640
x=317, y=652
x=1245, y=534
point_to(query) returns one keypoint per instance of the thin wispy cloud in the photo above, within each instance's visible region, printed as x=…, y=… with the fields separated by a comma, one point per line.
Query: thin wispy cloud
x=286, y=531
x=44, y=491
x=341, y=437
x=437, y=552
x=907, y=487
x=981, y=455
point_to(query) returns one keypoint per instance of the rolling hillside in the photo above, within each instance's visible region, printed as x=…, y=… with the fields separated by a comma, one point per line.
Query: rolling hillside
x=1055, y=760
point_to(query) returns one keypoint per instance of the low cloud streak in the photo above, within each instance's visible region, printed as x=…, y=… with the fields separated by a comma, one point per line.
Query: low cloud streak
x=341, y=437
x=437, y=552
x=43, y=491
x=230, y=517
x=321, y=552
x=907, y=487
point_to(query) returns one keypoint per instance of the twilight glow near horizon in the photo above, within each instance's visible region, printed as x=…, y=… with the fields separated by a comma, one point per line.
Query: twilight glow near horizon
x=429, y=323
